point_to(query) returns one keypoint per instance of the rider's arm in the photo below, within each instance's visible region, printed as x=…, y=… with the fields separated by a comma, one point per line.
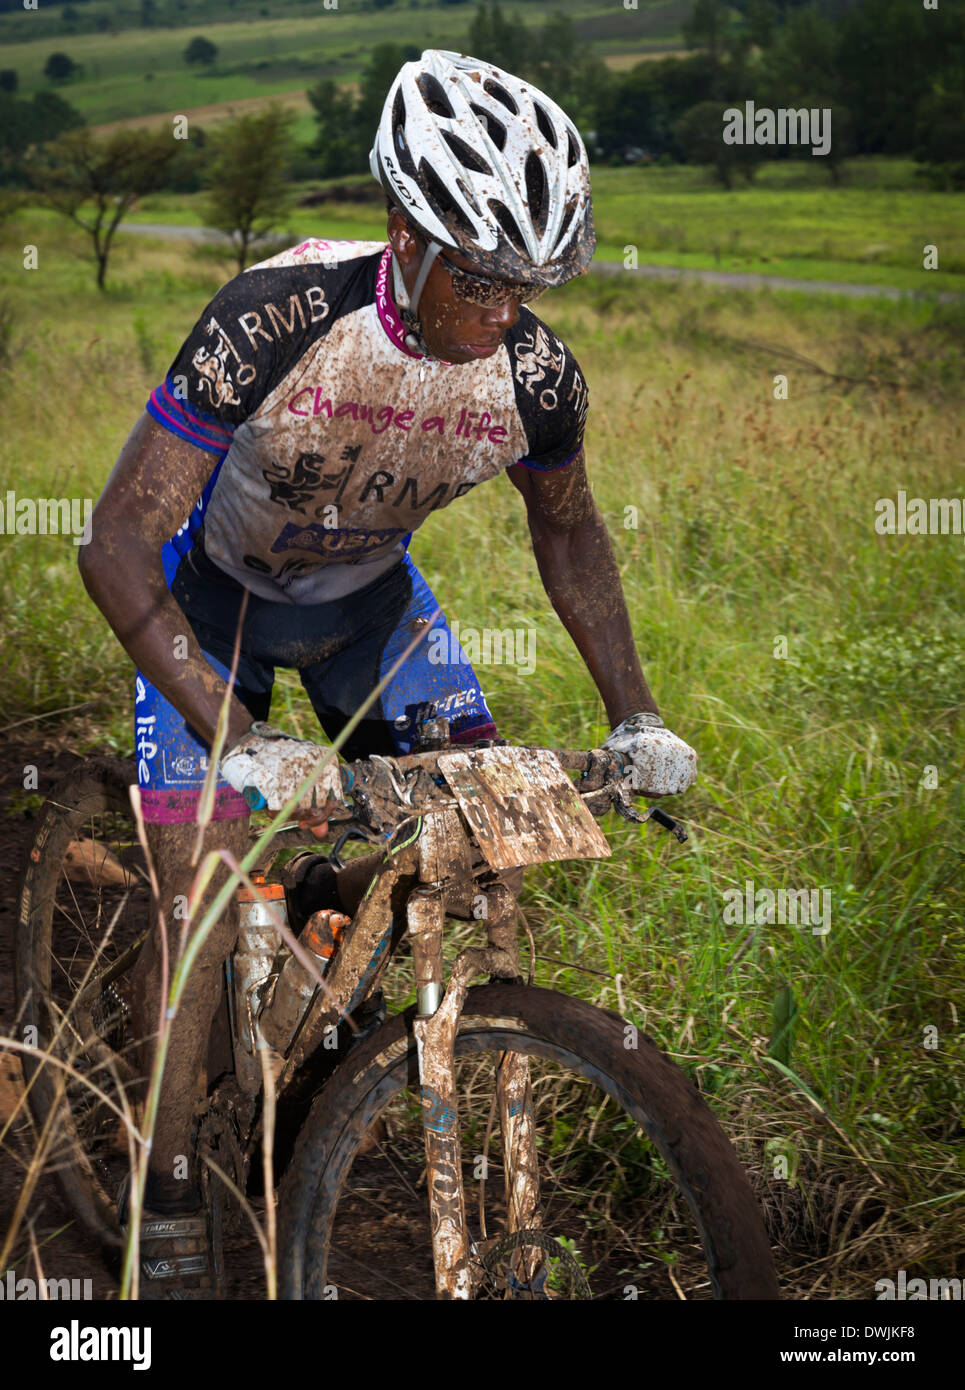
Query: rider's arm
x=154, y=484
x=581, y=579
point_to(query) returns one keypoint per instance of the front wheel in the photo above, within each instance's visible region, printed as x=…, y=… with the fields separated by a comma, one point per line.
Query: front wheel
x=642, y=1195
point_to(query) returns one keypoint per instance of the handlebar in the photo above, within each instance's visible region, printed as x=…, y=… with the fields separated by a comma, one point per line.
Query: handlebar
x=378, y=788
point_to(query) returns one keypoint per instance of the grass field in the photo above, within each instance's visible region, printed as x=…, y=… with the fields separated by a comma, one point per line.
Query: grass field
x=136, y=71
x=738, y=520
x=872, y=229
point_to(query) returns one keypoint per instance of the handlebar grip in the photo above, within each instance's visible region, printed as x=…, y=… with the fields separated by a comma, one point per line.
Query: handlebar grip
x=257, y=802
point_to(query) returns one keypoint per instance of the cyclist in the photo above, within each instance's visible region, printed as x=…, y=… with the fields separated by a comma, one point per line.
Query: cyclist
x=325, y=402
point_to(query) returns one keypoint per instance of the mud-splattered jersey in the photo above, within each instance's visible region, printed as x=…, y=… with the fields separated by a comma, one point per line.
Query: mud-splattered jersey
x=335, y=441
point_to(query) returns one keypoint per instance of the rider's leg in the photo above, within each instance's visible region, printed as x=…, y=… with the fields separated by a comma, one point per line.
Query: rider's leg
x=172, y=765
x=435, y=680
x=171, y=1175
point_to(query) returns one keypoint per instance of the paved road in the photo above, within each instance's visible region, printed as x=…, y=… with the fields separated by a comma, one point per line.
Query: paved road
x=737, y=279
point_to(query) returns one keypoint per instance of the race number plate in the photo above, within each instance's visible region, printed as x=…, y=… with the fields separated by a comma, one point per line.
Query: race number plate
x=522, y=806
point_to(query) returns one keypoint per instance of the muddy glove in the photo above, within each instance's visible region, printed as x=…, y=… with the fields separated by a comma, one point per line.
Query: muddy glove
x=657, y=762
x=267, y=766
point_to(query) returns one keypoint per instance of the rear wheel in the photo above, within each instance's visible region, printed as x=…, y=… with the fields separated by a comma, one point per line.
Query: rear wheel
x=642, y=1195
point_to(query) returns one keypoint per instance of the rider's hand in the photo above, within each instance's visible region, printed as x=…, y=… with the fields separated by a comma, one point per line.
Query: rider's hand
x=274, y=764
x=658, y=762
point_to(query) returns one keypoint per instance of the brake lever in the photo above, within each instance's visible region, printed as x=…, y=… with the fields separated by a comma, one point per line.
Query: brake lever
x=623, y=808
x=668, y=823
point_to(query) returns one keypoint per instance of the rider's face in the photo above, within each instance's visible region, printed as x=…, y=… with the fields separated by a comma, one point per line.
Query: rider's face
x=452, y=328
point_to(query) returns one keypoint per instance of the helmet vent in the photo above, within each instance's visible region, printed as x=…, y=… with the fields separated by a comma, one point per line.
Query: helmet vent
x=468, y=194
x=403, y=153
x=442, y=200
x=545, y=124
x=536, y=192
x=434, y=96
x=505, y=219
x=466, y=155
x=501, y=95
x=567, y=219
x=494, y=129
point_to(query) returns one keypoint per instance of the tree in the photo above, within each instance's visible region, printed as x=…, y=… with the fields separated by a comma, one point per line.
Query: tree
x=889, y=56
x=802, y=58
x=247, y=176
x=51, y=116
x=557, y=55
x=186, y=171
x=706, y=26
x=347, y=124
x=336, y=146
x=27, y=123
x=95, y=182
x=59, y=67
x=700, y=135
x=8, y=80
x=642, y=107
x=201, y=50
x=496, y=39
x=762, y=19
x=377, y=78
x=940, y=139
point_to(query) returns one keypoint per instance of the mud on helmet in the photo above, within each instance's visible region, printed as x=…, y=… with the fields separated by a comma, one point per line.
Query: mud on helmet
x=487, y=164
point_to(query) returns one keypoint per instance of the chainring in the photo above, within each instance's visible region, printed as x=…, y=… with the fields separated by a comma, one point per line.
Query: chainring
x=502, y=1283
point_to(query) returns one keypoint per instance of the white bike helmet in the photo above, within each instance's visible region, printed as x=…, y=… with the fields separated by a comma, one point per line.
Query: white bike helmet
x=487, y=164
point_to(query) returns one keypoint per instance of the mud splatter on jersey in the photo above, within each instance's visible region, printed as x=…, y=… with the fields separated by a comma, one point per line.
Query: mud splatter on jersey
x=335, y=441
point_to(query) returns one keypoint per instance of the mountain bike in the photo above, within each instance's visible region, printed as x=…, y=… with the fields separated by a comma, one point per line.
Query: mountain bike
x=498, y=1140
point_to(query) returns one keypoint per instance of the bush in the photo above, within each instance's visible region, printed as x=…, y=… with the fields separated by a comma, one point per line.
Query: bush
x=59, y=67
x=201, y=50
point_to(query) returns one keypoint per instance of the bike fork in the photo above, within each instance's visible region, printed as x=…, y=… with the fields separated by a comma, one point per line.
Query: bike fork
x=435, y=1031
x=517, y=1121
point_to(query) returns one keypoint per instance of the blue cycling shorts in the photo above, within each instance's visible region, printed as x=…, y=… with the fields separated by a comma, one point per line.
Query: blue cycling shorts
x=341, y=649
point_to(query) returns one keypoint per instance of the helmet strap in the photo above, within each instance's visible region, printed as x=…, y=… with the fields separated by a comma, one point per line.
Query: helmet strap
x=409, y=308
